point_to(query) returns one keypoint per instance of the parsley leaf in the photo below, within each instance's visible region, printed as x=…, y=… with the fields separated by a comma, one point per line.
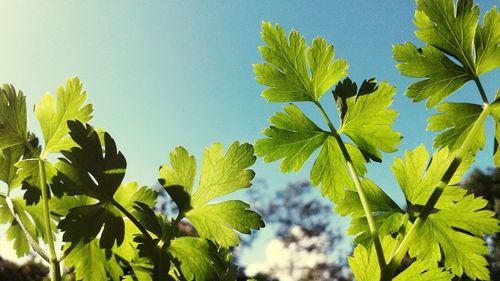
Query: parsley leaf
x=28, y=172
x=198, y=258
x=387, y=215
x=330, y=169
x=12, y=117
x=286, y=68
x=442, y=76
x=293, y=137
x=88, y=170
x=487, y=42
x=457, y=120
x=495, y=112
x=444, y=235
x=365, y=116
x=418, y=175
x=364, y=265
x=93, y=263
x=449, y=30
x=220, y=175
x=53, y=117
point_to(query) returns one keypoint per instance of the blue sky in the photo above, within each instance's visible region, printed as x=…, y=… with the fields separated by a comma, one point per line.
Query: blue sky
x=167, y=73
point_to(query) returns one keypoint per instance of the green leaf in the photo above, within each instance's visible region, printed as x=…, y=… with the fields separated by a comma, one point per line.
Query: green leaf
x=330, y=169
x=442, y=76
x=496, y=151
x=420, y=271
x=294, y=137
x=92, y=263
x=12, y=117
x=288, y=63
x=85, y=223
x=458, y=238
x=451, y=33
x=449, y=28
x=223, y=174
x=197, y=257
x=21, y=245
x=32, y=219
x=220, y=175
x=418, y=175
x=217, y=222
x=325, y=71
x=457, y=120
x=127, y=196
x=487, y=42
x=28, y=172
x=388, y=216
x=495, y=112
x=365, y=266
x=366, y=118
x=178, y=180
x=364, y=262
x=88, y=170
x=154, y=251
x=53, y=117
x=9, y=157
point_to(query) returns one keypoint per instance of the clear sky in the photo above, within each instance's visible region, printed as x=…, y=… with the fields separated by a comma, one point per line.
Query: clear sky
x=167, y=73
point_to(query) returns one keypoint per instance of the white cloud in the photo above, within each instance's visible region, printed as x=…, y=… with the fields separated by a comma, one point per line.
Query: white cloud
x=288, y=263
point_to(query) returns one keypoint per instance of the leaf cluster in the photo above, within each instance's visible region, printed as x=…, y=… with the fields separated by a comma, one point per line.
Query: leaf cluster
x=458, y=49
x=110, y=229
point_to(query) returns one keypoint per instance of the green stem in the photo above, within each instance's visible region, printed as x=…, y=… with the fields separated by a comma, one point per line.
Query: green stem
x=67, y=252
x=133, y=220
x=481, y=90
x=436, y=194
x=55, y=271
x=359, y=189
x=34, y=244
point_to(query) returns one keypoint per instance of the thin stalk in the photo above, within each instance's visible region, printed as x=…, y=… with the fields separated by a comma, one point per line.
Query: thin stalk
x=481, y=90
x=34, y=244
x=436, y=194
x=67, y=252
x=359, y=189
x=55, y=271
x=133, y=220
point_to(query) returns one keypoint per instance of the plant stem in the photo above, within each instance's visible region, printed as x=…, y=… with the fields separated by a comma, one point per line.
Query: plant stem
x=436, y=194
x=55, y=271
x=481, y=90
x=34, y=244
x=133, y=220
x=359, y=189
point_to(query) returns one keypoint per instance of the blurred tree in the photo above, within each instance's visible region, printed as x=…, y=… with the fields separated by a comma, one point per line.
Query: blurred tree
x=304, y=232
x=30, y=271
x=487, y=184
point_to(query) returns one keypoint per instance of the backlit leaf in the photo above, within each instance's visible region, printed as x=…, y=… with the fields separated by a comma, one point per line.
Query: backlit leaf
x=93, y=263
x=220, y=175
x=293, y=138
x=487, y=42
x=367, y=119
x=12, y=117
x=458, y=239
x=458, y=49
x=88, y=170
x=293, y=71
x=457, y=120
x=442, y=76
x=53, y=116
